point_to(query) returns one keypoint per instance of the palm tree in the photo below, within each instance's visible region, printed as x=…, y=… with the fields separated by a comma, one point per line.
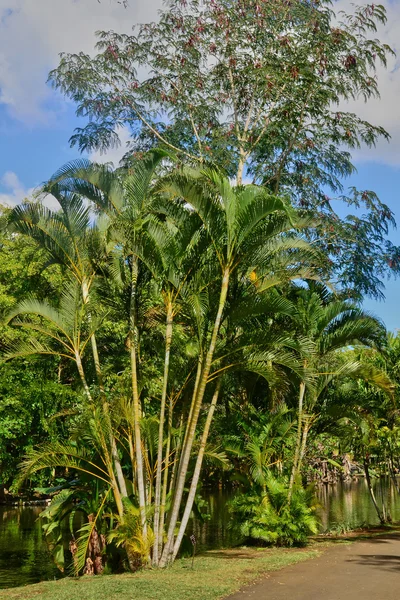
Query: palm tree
x=361, y=410
x=66, y=332
x=215, y=253
x=247, y=229
x=330, y=324
x=77, y=245
x=128, y=198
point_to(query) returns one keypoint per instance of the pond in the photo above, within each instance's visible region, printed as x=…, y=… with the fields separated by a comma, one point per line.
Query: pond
x=24, y=557
x=23, y=552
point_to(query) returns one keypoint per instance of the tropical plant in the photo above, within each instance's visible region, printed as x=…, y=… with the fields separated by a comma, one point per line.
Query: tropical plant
x=268, y=517
x=129, y=534
x=331, y=325
x=72, y=242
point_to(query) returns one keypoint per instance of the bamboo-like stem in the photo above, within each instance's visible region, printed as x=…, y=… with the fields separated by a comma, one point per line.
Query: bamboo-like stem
x=135, y=396
x=165, y=479
x=189, y=419
x=306, y=429
x=298, y=441
x=197, y=470
x=157, y=495
x=81, y=372
x=177, y=457
x=168, y=549
x=114, y=484
x=371, y=491
x=99, y=375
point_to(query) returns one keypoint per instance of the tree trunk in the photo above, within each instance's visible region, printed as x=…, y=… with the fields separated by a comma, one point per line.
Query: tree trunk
x=298, y=441
x=157, y=496
x=189, y=420
x=168, y=549
x=177, y=457
x=306, y=429
x=99, y=375
x=392, y=472
x=114, y=484
x=81, y=372
x=165, y=480
x=197, y=470
x=371, y=491
x=241, y=165
x=135, y=397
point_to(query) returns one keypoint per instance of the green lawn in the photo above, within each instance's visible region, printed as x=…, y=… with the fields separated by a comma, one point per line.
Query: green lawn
x=216, y=574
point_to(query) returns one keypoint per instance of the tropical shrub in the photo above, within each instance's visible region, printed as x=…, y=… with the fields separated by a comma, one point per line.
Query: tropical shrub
x=268, y=518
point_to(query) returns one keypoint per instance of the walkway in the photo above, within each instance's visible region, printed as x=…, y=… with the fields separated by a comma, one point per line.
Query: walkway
x=365, y=570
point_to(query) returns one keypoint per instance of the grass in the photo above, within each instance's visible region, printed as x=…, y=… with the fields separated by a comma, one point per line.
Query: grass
x=216, y=574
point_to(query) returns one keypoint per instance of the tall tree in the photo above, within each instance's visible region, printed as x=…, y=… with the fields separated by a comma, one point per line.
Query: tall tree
x=267, y=84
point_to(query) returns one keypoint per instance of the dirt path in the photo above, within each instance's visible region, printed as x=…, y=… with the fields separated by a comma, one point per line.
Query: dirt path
x=367, y=570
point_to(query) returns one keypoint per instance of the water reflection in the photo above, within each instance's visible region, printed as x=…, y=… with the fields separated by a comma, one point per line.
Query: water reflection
x=341, y=506
x=24, y=557
x=349, y=504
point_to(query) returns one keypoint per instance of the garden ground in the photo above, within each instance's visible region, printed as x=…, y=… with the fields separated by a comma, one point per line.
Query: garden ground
x=342, y=569
x=216, y=574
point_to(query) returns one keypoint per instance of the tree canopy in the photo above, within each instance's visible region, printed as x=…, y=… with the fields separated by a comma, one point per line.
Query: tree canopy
x=259, y=88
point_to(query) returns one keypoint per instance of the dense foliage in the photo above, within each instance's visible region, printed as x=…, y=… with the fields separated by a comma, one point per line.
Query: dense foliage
x=169, y=328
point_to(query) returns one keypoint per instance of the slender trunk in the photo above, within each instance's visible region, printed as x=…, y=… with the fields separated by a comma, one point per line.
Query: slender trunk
x=168, y=549
x=180, y=448
x=306, y=430
x=239, y=173
x=177, y=457
x=371, y=491
x=99, y=375
x=81, y=372
x=59, y=370
x=189, y=419
x=157, y=496
x=197, y=470
x=132, y=457
x=135, y=397
x=392, y=472
x=165, y=480
x=298, y=441
x=384, y=512
x=389, y=497
x=114, y=484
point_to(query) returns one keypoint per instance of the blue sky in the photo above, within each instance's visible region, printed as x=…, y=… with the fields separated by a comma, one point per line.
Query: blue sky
x=385, y=181
x=36, y=123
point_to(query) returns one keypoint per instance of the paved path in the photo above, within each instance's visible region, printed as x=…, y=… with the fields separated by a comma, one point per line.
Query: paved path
x=363, y=570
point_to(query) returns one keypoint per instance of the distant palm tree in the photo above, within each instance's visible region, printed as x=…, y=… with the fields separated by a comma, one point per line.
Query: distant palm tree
x=330, y=325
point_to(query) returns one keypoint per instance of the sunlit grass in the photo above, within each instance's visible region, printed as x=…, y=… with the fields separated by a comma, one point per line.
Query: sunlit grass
x=215, y=575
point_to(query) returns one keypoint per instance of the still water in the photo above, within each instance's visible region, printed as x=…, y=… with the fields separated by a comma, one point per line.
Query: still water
x=24, y=557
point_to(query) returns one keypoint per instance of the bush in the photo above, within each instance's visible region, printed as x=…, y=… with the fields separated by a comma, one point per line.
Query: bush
x=268, y=518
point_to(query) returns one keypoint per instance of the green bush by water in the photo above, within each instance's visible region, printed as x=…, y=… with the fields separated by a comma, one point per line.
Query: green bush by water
x=267, y=517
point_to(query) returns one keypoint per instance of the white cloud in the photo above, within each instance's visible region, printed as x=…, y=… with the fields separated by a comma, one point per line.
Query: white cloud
x=34, y=32
x=16, y=192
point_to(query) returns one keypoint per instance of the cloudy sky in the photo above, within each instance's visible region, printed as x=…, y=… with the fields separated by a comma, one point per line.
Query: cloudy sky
x=36, y=122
